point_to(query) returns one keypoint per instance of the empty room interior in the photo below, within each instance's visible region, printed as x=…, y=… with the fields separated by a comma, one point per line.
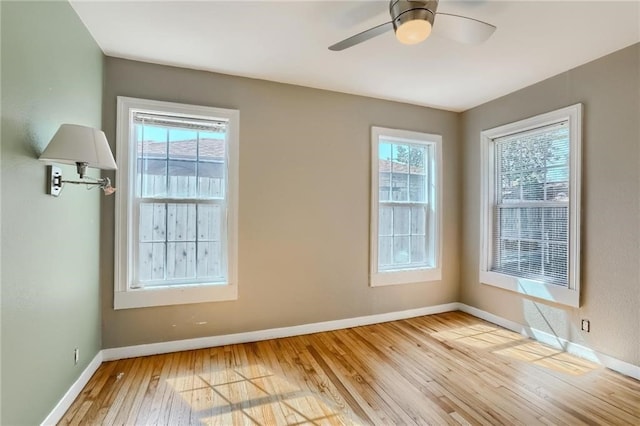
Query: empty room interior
x=320, y=212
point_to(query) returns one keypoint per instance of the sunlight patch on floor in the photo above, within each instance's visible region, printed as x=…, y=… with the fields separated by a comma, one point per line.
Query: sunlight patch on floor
x=479, y=336
x=548, y=357
x=255, y=395
x=515, y=346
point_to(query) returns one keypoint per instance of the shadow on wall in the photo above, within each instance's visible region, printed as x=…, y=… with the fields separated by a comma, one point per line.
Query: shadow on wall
x=32, y=138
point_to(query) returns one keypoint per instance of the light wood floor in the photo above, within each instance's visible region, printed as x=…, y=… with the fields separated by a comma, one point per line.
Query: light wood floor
x=442, y=369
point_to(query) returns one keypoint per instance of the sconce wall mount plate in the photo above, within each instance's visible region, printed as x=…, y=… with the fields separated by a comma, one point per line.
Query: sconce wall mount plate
x=54, y=180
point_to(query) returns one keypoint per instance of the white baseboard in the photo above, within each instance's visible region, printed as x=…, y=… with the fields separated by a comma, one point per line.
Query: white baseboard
x=63, y=405
x=557, y=342
x=297, y=330
x=273, y=333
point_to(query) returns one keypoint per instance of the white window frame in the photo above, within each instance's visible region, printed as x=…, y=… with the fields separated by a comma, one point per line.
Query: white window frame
x=124, y=295
x=569, y=295
x=410, y=275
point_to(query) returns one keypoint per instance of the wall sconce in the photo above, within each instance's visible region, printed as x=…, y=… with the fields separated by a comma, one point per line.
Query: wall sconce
x=84, y=147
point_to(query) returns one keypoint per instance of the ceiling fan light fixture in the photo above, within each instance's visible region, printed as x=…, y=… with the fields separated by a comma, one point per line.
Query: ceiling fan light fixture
x=413, y=32
x=412, y=20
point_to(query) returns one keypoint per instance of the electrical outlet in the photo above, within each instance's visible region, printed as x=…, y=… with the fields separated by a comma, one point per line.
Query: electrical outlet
x=586, y=325
x=76, y=355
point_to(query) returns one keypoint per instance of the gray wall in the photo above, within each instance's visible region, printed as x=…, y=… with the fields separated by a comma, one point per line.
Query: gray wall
x=304, y=205
x=51, y=74
x=609, y=88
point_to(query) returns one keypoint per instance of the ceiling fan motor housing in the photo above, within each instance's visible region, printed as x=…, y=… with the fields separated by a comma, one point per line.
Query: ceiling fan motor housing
x=403, y=11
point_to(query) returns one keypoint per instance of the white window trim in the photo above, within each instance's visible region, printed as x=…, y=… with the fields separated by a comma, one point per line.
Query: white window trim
x=384, y=278
x=569, y=295
x=125, y=297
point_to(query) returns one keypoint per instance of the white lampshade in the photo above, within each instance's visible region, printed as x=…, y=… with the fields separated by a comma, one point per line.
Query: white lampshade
x=73, y=144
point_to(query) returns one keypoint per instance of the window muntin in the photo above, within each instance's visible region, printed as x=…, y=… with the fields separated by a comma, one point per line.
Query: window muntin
x=176, y=220
x=530, y=216
x=405, y=207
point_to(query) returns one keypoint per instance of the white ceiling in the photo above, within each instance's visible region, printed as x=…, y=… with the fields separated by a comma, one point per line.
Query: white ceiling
x=286, y=41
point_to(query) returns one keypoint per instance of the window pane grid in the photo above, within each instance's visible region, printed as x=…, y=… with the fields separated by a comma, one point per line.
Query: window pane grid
x=403, y=202
x=180, y=243
x=405, y=207
x=402, y=237
x=531, y=212
x=180, y=187
x=175, y=163
x=402, y=172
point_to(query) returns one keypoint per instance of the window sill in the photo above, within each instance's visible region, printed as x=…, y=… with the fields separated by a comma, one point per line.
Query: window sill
x=537, y=289
x=379, y=279
x=148, y=297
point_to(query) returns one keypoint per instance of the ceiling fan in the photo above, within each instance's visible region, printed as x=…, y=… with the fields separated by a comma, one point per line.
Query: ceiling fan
x=412, y=21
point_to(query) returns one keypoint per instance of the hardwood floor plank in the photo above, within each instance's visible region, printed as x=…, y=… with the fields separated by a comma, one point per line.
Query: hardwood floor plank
x=344, y=393
x=127, y=380
x=107, y=400
x=80, y=414
x=401, y=387
x=201, y=395
x=445, y=369
x=322, y=398
x=283, y=379
x=164, y=394
x=351, y=372
x=160, y=367
x=132, y=401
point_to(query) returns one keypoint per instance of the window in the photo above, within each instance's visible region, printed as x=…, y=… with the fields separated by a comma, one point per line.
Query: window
x=405, y=207
x=530, y=206
x=176, y=204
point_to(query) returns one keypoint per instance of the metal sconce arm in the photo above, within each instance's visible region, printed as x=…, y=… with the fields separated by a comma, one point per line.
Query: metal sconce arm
x=55, y=181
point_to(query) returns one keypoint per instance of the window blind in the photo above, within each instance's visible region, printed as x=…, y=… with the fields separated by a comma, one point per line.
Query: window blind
x=531, y=211
x=171, y=121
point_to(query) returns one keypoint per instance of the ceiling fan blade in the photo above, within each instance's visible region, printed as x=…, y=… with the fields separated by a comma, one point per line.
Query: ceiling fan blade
x=363, y=36
x=462, y=29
